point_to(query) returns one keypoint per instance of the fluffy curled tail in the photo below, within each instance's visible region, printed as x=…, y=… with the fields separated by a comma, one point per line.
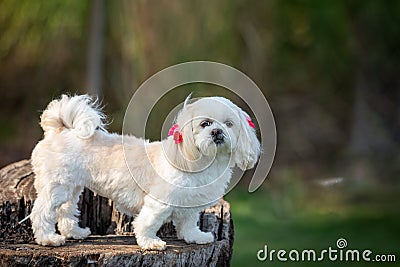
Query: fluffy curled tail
x=80, y=114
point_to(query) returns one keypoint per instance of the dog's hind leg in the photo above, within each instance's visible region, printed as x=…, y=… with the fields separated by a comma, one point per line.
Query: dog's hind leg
x=68, y=218
x=44, y=213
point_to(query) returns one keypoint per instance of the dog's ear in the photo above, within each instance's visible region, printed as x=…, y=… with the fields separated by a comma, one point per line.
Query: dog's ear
x=183, y=152
x=248, y=147
x=187, y=146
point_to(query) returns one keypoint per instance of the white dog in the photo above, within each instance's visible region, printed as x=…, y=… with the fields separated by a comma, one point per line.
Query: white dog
x=172, y=180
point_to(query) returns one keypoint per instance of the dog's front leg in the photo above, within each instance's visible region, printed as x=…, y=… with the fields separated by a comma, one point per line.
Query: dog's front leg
x=186, y=227
x=149, y=220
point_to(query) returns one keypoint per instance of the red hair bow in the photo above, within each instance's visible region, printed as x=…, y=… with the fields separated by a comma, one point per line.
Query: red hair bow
x=175, y=133
x=250, y=122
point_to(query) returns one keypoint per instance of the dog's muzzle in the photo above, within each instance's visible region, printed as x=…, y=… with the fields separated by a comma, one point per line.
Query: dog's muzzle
x=218, y=136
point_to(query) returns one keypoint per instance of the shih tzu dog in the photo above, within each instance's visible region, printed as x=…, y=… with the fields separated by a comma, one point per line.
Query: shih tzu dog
x=171, y=180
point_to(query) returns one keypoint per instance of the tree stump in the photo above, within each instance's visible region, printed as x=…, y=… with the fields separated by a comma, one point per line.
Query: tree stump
x=112, y=242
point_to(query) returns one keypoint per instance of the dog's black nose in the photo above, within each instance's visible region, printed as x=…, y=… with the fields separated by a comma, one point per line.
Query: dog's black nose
x=218, y=136
x=216, y=131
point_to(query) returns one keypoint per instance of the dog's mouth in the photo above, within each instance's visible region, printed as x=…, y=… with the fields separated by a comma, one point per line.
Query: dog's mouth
x=218, y=141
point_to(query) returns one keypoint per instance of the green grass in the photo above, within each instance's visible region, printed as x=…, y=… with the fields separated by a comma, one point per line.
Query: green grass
x=288, y=219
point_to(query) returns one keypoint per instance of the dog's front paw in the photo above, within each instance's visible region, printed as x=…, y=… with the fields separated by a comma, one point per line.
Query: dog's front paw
x=151, y=243
x=204, y=238
x=54, y=240
x=199, y=238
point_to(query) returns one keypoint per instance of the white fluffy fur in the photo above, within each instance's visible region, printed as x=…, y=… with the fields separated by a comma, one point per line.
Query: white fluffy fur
x=77, y=152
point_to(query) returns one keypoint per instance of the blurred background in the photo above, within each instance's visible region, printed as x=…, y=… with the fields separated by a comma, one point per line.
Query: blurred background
x=329, y=69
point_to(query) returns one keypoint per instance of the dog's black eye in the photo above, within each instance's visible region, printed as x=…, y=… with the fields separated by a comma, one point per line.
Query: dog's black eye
x=205, y=123
x=229, y=124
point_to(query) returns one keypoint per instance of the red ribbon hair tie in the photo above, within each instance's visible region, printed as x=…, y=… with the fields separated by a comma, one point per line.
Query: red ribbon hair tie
x=251, y=124
x=177, y=135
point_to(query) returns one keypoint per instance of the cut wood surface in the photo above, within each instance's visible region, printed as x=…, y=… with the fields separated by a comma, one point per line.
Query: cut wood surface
x=112, y=242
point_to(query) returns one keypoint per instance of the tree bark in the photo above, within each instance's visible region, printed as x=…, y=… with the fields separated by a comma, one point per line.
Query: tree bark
x=117, y=248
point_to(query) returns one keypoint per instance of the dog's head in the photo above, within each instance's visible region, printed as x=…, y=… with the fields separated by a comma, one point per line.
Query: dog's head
x=215, y=126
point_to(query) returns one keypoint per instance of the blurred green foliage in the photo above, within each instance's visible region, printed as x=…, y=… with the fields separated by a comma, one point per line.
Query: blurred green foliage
x=308, y=57
x=289, y=214
x=329, y=69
